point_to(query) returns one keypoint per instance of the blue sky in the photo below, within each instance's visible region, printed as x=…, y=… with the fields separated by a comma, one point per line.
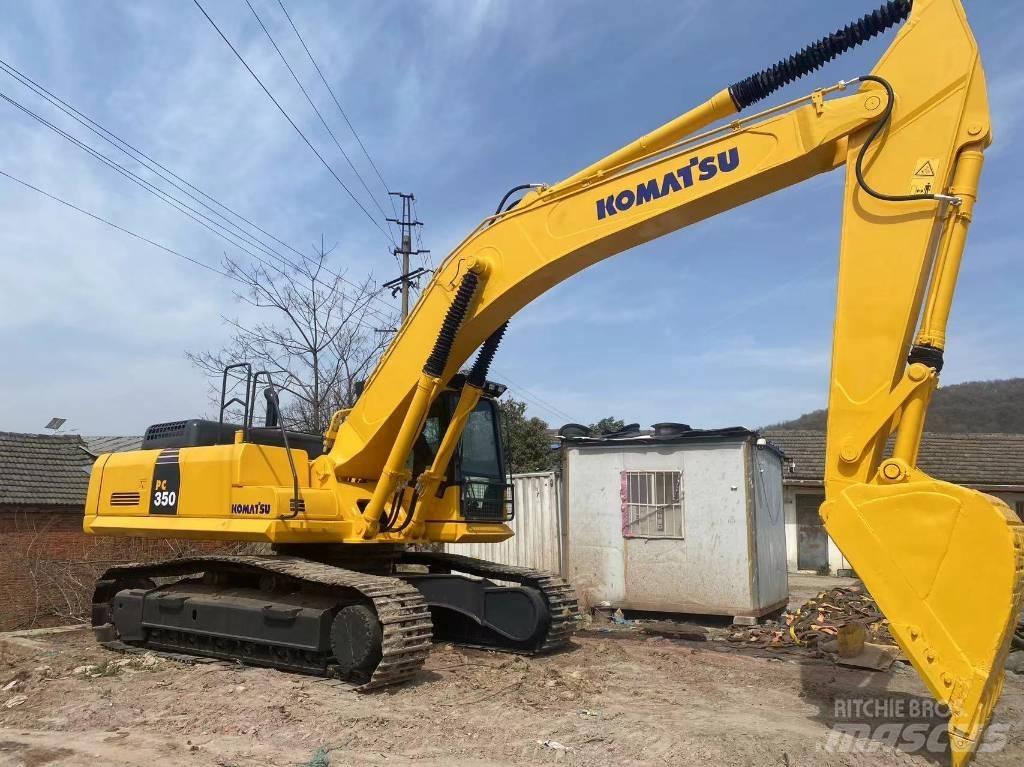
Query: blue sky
x=728, y=322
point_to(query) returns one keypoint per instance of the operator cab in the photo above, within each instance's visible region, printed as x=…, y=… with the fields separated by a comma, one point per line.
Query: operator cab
x=478, y=466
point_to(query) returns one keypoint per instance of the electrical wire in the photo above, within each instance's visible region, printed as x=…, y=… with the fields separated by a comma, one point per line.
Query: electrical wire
x=119, y=228
x=169, y=199
x=182, y=207
x=327, y=127
x=136, y=235
x=338, y=104
x=148, y=162
x=290, y=120
x=166, y=197
x=533, y=398
x=428, y=258
x=70, y=112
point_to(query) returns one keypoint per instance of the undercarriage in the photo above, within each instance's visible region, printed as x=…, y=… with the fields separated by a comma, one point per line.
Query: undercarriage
x=368, y=620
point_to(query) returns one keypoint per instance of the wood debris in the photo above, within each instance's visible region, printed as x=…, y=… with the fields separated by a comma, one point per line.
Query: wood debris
x=817, y=622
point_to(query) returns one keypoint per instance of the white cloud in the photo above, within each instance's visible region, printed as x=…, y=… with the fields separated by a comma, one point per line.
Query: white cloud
x=456, y=101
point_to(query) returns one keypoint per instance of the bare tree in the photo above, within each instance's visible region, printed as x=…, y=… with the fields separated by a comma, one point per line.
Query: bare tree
x=317, y=341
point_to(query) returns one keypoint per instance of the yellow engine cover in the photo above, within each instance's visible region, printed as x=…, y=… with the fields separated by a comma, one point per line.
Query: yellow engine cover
x=244, y=492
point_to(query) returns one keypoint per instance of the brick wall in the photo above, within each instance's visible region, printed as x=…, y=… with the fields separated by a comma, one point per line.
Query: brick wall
x=48, y=565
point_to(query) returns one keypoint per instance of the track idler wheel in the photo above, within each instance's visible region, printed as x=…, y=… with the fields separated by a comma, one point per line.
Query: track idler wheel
x=356, y=640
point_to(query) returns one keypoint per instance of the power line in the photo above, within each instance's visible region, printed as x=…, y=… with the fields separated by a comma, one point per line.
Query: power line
x=116, y=226
x=543, y=409
x=136, y=235
x=174, y=202
x=290, y=121
x=539, y=401
x=338, y=104
x=164, y=196
x=134, y=178
x=142, y=158
x=98, y=130
x=428, y=260
x=327, y=127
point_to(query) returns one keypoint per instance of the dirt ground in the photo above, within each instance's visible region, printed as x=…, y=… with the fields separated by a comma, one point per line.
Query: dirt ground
x=613, y=698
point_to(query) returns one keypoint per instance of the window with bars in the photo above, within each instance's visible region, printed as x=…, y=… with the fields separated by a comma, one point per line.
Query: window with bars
x=652, y=504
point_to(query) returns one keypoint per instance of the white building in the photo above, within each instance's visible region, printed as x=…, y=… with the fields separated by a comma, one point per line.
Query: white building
x=682, y=520
x=991, y=463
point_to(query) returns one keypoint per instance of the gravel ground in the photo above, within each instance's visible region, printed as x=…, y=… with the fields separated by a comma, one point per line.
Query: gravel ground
x=610, y=699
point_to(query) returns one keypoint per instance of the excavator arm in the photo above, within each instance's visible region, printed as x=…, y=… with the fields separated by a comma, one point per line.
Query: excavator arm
x=944, y=562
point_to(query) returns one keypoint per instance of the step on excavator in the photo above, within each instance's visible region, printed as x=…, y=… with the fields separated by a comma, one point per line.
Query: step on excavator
x=418, y=459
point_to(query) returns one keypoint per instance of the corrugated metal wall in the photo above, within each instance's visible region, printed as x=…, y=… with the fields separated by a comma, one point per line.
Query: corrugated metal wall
x=538, y=527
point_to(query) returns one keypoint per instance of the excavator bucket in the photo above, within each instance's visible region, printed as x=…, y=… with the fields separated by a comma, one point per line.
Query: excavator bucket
x=945, y=565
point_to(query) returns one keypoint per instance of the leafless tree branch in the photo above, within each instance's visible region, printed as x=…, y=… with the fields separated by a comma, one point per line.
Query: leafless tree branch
x=317, y=339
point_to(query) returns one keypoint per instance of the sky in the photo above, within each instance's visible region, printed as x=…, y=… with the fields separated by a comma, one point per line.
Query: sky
x=727, y=322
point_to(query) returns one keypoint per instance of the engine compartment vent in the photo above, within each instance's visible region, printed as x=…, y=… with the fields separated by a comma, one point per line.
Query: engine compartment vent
x=164, y=430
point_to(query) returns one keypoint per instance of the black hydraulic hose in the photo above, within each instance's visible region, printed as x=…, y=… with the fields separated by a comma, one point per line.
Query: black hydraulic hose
x=762, y=84
x=396, y=509
x=509, y=193
x=386, y=519
x=408, y=516
x=858, y=166
x=392, y=515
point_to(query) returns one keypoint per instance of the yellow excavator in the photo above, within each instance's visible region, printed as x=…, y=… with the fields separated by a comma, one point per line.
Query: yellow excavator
x=419, y=459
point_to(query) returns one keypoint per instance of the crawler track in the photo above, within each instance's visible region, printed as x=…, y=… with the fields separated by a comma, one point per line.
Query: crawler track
x=401, y=610
x=559, y=595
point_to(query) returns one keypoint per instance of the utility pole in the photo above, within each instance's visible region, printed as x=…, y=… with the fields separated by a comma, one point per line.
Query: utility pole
x=406, y=278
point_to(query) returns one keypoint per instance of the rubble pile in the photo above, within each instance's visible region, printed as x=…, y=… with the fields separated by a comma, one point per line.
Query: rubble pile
x=818, y=621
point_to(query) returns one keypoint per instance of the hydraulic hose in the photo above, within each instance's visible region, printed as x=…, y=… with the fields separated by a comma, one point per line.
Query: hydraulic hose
x=408, y=517
x=858, y=166
x=509, y=193
x=762, y=84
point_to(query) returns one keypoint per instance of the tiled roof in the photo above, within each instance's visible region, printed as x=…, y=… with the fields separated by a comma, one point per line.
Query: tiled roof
x=976, y=460
x=43, y=469
x=114, y=444
x=51, y=469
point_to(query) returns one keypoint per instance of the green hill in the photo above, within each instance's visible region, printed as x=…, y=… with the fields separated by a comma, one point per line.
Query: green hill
x=975, y=406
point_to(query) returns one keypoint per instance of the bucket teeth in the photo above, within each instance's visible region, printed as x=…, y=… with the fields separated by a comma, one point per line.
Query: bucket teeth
x=945, y=565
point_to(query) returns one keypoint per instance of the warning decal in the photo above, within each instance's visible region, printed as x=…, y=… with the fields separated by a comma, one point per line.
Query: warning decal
x=925, y=171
